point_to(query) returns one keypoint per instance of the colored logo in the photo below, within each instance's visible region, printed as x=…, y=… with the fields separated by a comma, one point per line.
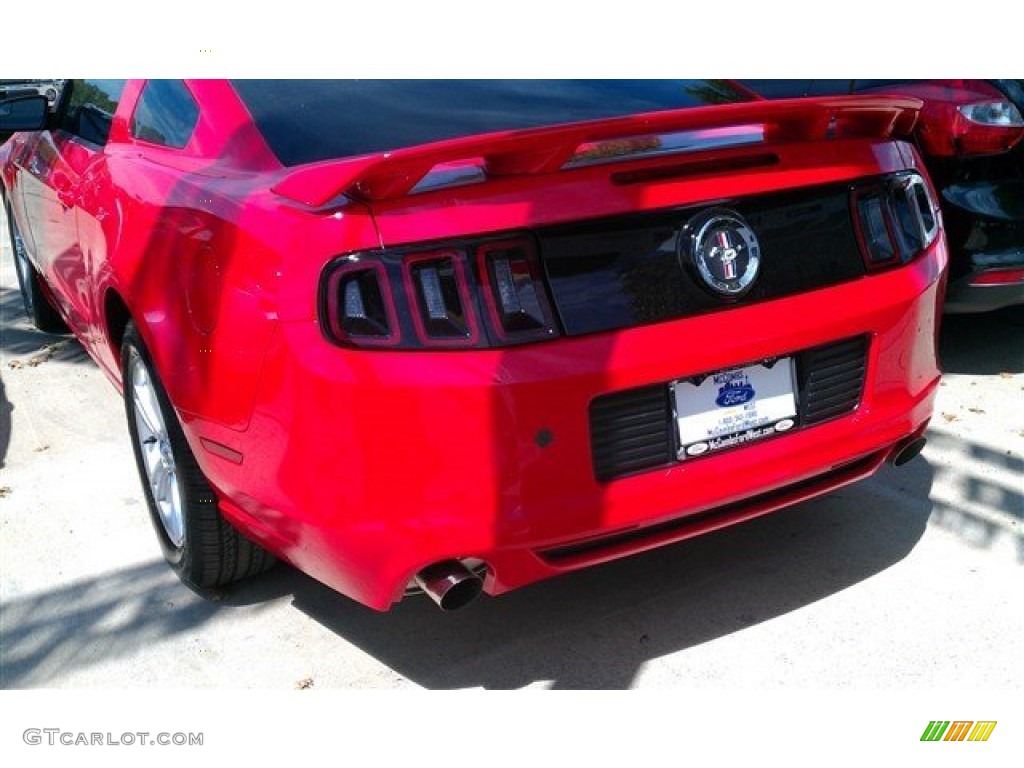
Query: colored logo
x=735, y=392
x=958, y=730
x=723, y=249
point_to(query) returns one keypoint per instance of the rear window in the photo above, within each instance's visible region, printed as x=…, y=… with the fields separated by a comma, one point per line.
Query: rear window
x=308, y=120
x=791, y=89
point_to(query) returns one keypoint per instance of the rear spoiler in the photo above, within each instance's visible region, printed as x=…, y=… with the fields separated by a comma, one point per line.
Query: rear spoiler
x=550, y=149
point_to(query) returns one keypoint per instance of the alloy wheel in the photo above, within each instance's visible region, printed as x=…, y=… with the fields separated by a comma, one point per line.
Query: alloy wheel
x=157, y=454
x=22, y=264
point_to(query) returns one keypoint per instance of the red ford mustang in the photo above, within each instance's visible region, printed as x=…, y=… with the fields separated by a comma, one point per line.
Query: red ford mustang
x=470, y=335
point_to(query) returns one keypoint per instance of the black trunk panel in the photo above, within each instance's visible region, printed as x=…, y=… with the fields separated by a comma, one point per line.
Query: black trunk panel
x=625, y=271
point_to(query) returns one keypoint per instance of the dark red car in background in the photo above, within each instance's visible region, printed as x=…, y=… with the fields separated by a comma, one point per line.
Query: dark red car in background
x=469, y=335
x=970, y=135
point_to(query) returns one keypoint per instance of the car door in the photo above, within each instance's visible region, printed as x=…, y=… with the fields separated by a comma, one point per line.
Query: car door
x=54, y=181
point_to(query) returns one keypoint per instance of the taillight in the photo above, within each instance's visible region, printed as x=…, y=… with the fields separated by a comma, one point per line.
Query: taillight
x=979, y=128
x=442, y=309
x=877, y=238
x=469, y=295
x=896, y=219
x=999, y=277
x=359, y=309
x=514, y=291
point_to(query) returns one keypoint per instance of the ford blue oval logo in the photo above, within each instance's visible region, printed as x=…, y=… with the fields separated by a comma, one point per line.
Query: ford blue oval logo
x=735, y=393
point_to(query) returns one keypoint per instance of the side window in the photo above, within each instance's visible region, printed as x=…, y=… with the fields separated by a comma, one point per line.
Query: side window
x=166, y=114
x=89, y=108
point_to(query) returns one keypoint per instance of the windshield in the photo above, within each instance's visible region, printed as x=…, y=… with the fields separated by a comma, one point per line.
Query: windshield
x=308, y=120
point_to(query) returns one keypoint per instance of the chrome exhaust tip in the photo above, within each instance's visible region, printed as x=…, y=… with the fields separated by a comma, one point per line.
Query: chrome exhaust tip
x=450, y=584
x=907, y=451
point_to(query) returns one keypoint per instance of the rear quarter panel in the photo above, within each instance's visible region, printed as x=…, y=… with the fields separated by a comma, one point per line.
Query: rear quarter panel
x=201, y=288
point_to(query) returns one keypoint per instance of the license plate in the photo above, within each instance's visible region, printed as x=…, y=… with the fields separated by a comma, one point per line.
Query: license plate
x=729, y=408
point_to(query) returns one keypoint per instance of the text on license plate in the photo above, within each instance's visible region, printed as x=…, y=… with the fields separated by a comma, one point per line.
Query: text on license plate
x=732, y=407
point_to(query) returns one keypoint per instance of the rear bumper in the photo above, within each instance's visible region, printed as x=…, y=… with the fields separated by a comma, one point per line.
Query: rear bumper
x=966, y=297
x=992, y=281
x=363, y=467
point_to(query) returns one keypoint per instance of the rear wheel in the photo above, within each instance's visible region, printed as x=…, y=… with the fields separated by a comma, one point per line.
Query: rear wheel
x=37, y=306
x=202, y=547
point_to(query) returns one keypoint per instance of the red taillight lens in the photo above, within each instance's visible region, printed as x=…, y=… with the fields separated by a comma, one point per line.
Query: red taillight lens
x=896, y=221
x=442, y=306
x=514, y=291
x=359, y=309
x=980, y=128
x=878, y=242
x=999, y=277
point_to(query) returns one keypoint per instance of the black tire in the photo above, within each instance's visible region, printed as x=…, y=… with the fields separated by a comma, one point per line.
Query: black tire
x=199, y=544
x=37, y=304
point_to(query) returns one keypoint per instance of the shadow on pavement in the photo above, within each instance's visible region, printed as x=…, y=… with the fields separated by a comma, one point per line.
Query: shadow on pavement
x=19, y=339
x=988, y=510
x=100, y=618
x=596, y=628
x=988, y=343
x=5, y=422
